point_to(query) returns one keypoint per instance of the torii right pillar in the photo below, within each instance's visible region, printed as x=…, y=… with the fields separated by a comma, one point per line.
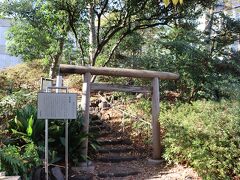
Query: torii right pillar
x=156, y=135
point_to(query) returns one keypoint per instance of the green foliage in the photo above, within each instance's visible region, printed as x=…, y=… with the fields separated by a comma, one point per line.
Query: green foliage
x=19, y=160
x=39, y=30
x=136, y=118
x=27, y=41
x=20, y=153
x=204, y=135
x=25, y=127
x=74, y=81
x=58, y=21
x=11, y=160
x=208, y=68
x=11, y=103
x=141, y=121
x=57, y=140
x=24, y=76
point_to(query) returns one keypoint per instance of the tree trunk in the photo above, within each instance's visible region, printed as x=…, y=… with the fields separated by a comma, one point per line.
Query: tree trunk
x=208, y=28
x=92, y=34
x=52, y=70
x=56, y=59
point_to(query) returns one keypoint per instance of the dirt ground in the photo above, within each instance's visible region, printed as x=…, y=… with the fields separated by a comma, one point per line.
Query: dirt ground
x=150, y=172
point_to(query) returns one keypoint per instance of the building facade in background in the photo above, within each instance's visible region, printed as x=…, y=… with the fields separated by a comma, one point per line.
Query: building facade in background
x=5, y=59
x=233, y=9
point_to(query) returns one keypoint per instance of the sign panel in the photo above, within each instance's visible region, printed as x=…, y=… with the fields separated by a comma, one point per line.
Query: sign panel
x=57, y=105
x=45, y=83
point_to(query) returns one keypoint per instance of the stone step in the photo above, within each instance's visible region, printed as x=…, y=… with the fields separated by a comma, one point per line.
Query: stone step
x=99, y=128
x=117, y=174
x=93, y=117
x=10, y=177
x=96, y=122
x=115, y=142
x=116, y=159
x=115, y=150
x=104, y=133
x=81, y=177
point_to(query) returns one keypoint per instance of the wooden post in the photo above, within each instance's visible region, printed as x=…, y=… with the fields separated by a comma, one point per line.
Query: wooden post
x=155, y=123
x=85, y=108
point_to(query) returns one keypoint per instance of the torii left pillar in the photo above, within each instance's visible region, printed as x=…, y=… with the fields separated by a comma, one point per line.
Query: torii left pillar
x=85, y=104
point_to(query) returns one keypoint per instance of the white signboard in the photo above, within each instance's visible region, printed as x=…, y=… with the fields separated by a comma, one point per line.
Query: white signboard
x=57, y=105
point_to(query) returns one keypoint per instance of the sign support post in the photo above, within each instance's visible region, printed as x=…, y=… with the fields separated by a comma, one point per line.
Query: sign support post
x=46, y=148
x=66, y=149
x=46, y=143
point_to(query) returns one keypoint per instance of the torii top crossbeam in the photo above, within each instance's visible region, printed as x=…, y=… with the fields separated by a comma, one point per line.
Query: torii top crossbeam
x=120, y=72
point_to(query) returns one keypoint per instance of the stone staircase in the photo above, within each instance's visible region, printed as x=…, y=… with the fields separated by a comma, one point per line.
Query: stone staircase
x=116, y=154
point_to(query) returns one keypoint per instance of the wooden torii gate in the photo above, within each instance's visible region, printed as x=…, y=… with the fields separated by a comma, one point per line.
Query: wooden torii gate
x=118, y=72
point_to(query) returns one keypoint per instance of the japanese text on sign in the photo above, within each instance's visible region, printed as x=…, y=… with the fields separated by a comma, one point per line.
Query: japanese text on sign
x=57, y=106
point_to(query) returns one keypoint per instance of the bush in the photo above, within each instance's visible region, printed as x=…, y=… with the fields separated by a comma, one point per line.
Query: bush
x=22, y=76
x=74, y=81
x=205, y=135
x=17, y=100
x=140, y=120
x=17, y=160
x=25, y=128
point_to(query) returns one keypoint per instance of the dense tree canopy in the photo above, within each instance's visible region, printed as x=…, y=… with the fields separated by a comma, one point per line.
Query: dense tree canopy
x=207, y=63
x=92, y=25
x=38, y=31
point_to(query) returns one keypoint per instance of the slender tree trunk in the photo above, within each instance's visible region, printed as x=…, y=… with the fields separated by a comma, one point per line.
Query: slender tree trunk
x=92, y=34
x=208, y=28
x=52, y=70
x=56, y=59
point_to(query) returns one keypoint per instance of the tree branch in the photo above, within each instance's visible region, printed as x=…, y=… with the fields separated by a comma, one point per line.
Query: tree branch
x=115, y=47
x=71, y=23
x=99, y=20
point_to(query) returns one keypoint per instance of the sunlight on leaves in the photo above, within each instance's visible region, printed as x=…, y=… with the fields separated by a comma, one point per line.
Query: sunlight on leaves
x=175, y=2
x=166, y=2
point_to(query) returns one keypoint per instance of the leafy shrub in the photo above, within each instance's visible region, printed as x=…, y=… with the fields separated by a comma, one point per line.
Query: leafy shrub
x=141, y=125
x=57, y=140
x=23, y=76
x=17, y=100
x=10, y=159
x=25, y=127
x=17, y=160
x=205, y=135
x=136, y=119
x=19, y=152
x=74, y=81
